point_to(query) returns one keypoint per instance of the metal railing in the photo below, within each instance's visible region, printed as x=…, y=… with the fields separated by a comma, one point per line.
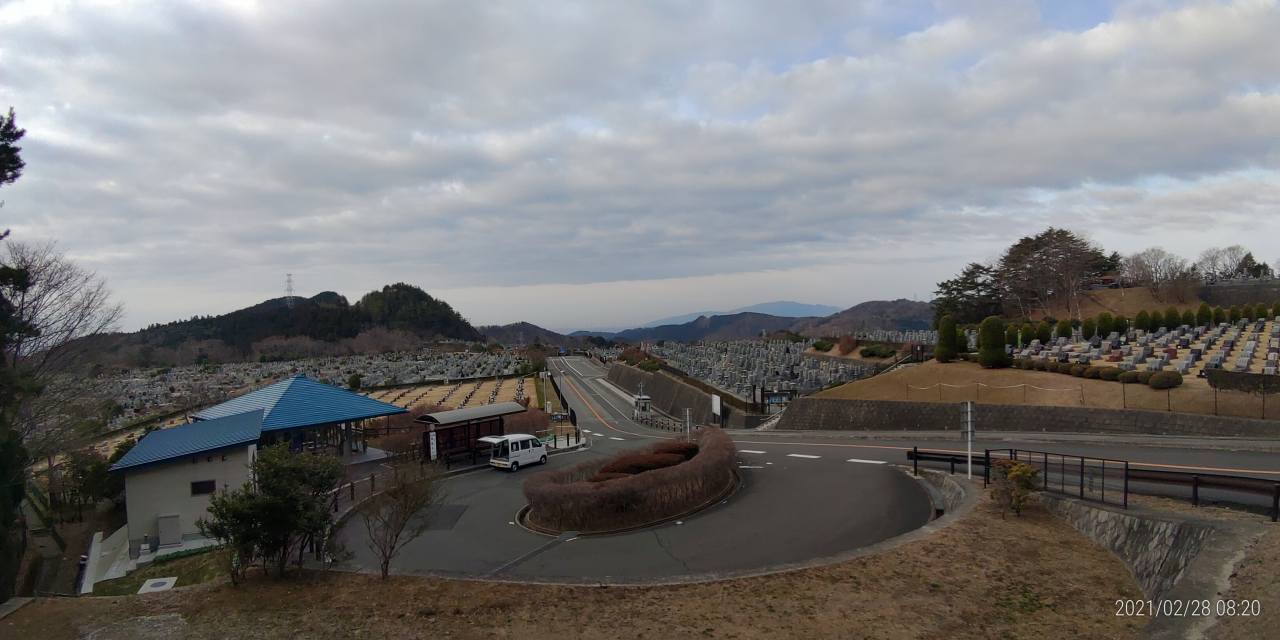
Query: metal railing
x=1104, y=480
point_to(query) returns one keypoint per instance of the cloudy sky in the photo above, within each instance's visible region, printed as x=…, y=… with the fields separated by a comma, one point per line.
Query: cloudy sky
x=602, y=164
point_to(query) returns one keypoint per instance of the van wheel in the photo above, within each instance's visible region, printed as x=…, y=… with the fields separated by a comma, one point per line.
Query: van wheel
x=542, y=460
x=515, y=466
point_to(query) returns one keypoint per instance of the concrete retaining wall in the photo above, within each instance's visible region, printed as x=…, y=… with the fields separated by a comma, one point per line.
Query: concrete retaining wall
x=944, y=490
x=672, y=396
x=1225, y=294
x=876, y=415
x=1173, y=557
x=1157, y=550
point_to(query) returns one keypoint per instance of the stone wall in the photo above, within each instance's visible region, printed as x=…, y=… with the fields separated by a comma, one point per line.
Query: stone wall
x=1156, y=549
x=885, y=415
x=1225, y=294
x=672, y=396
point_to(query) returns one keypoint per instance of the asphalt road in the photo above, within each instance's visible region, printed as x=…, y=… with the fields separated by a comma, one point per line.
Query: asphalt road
x=804, y=495
x=791, y=507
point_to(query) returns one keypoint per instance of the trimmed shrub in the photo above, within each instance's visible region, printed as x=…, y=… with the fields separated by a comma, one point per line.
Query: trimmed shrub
x=601, y=477
x=1044, y=332
x=1092, y=372
x=1172, y=317
x=1089, y=328
x=1040, y=365
x=1234, y=314
x=1204, y=315
x=1142, y=321
x=682, y=447
x=1110, y=374
x=991, y=343
x=1275, y=311
x=1025, y=364
x=1011, y=335
x=878, y=351
x=1143, y=377
x=564, y=499
x=1128, y=377
x=1106, y=324
x=1121, y=325
x=1260, y=311
x=633, y=463
x=1063, y=329
x=945, y=351
x=1165, y=380
x=1189, y=318
x=823, y=346
x=1077, y=370
x=1157, y=320
x=1219, y=315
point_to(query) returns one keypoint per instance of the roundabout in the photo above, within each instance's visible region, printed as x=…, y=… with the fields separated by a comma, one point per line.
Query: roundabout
x=789, y=510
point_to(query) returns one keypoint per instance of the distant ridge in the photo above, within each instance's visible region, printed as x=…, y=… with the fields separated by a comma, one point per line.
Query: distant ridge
x=779, y=308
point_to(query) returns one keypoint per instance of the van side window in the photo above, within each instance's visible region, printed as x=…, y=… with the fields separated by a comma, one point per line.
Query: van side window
x=524, y=444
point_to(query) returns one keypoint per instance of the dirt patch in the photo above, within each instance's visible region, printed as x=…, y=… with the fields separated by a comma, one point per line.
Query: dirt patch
x=982, y=577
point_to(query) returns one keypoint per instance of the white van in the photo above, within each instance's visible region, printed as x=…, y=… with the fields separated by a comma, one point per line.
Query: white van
x=515, y=450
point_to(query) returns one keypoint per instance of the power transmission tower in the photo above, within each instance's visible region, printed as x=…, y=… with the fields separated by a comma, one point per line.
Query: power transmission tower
x=288, y=290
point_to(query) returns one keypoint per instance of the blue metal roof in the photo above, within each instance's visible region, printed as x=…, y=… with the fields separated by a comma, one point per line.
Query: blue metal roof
x=193, y=438
x=301, y=402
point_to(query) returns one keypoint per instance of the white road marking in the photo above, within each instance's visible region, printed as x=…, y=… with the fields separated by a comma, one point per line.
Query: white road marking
x=748, y=451
x=802, y=455
x=865, y=461
x=747, y=466
x=616, y=438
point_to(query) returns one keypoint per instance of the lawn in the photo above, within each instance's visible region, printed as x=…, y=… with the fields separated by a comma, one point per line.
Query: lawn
x=193, y=569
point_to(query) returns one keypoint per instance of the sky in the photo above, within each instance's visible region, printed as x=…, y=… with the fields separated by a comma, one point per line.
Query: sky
x=602, y=164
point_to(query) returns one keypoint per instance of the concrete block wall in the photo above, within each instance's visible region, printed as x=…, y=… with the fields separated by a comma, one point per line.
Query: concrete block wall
x=1157, y=550
x=879, y=415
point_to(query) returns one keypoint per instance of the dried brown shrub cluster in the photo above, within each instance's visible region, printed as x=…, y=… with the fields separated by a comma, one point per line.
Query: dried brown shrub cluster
x=568, y=499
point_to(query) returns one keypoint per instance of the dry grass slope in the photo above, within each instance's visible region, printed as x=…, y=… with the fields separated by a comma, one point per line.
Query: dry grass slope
x=961, y=381
x=982, y=577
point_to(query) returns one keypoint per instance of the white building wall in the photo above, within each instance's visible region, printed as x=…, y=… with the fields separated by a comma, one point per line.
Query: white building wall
x=165, y=488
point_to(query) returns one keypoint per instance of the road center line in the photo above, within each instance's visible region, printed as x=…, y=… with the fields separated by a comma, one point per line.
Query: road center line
x=748, y=451
x=802, y=455
x=865, y=461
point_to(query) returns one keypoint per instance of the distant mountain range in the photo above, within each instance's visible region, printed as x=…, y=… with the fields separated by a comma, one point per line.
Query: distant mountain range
x=780, y=308
x=898, y=315
x=396, y=316
x=401, y=316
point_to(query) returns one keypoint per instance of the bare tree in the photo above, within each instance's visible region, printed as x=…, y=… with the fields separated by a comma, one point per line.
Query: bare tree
x=1169, y=276
x=402, y=512
x=65, y=304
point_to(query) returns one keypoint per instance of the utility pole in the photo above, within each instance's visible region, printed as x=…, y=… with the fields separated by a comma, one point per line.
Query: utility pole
x=968, y=428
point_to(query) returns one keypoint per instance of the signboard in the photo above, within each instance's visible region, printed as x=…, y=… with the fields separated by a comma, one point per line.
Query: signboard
x=715, y=404
x=431, y=442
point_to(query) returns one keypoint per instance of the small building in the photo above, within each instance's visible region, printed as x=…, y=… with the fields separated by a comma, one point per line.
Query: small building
x=170, y=475
x=309, y=415
x=458, y=431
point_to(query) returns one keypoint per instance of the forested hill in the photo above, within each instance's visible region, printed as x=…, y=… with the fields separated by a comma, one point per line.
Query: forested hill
x=396, y=313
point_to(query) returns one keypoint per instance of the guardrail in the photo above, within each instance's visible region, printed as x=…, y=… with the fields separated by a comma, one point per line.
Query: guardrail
x=1088, y=478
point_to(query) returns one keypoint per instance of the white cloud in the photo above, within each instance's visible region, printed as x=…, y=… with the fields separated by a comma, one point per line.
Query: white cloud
x=195, y=153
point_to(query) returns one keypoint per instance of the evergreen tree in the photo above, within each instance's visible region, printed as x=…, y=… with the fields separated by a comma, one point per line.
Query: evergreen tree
x=1106, y=324
x=1142, y=321
x=1063, y=329
x=946, y=349
x=1089, y=328
x=1044, y=332
x=1204, y=315
x=1219, y=315
x=991, y=343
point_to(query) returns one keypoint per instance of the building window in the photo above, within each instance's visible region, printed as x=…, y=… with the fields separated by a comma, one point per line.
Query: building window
x=203, y=487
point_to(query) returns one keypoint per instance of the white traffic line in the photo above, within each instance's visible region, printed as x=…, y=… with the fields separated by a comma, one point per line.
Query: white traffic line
x=616, y=438
x=748, y=451
x=865, y=461
x=802, y=455
x=747, y=466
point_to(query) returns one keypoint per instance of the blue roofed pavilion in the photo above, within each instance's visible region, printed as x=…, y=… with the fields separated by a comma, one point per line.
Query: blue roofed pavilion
x=193, y=438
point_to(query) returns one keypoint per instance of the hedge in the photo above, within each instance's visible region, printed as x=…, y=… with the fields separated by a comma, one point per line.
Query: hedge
x=1165, y=380
x=1143, y=377
x=1110, y=374
x=1128, y=377
x=945, y=351
x=563, y=500
x=1241, y=381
